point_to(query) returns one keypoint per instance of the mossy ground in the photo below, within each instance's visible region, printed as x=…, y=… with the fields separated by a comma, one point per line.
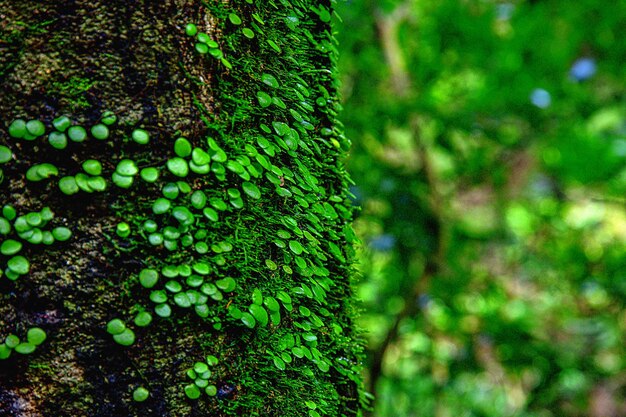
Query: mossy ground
x=82, y=58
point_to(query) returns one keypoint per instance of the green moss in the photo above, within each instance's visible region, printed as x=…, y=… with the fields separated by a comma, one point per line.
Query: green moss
x=73, y=90
x=252, y=202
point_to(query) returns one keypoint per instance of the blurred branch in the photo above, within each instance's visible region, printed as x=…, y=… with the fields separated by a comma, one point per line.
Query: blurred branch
x=605, y=400
x=388, y=25
x=433, y=264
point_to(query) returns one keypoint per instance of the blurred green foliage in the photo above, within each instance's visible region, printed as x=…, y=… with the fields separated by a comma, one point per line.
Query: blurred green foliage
x=489, y=157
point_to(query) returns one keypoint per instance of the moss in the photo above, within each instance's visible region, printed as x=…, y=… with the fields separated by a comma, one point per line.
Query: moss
x=278, y=202
x=73, y=91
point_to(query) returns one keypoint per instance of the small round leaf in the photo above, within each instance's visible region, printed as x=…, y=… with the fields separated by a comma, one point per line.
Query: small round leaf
x=140, y=394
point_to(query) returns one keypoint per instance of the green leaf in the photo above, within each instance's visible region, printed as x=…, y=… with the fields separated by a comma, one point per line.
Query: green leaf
x=17, y=129
x=284, y=297
x=82, y=180
x=173, y=286
x=279, y=103
x=100, y=131
x=148, y=277
x=5, y=154
x=257, y=296
x=170, y=190
x=270, y=80
x=201, y=268
x=121, y=181
x=178, y=166
x=68, y=185
x=149, y=174
x=41, y=171
x=248, y=320
x=92, y=167
x=170, y=271
x=234, y=19
x=200, y=157
x=210, y=214
x=140, y=394
x=158, y=296
x=19, y=265
x=323, y=365
x=234, y=193
x=259, y=313
x=226, y=63
x=271, y=303
x=36, y=336
x=226, y=284
x=161, y=206
x=115, y=326
x=202, y=310
x=126, y=338
x=324, y=14
x=143, y=319
x=191, y=29
x=247, y=33
x=283, y=192
x=127, y=168
x=297, y=352
x=97, y=183
x=204, y=38
x=235, y=166
x=274, y=45
x=182, y=300
x=5, y=351
x=295, y=247
x=108, y=118
x=202, y=48
x=264, y=99
x=25, y=348
x=251, y=190
x=192, y=391
x=183, y=215
x=77, y=134
x=199, y=169
x=35, y=128
x=182, y=148
x=257, y=17
x=281, y=128
x=10, y=247
x=163, y=310
x=279, y=363
x=11, y=341
x=275, y=317
x=200, y=367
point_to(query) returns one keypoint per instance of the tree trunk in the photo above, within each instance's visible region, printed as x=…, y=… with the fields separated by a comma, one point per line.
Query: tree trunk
x=245, y=223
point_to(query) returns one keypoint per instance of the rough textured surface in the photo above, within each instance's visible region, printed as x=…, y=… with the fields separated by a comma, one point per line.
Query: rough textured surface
x=81, y=58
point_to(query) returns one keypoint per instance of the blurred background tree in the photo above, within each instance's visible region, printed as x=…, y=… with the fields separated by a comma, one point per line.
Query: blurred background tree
x=489, y=157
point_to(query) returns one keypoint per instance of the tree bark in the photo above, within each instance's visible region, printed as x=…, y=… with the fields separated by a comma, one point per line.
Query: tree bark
x=286, y=236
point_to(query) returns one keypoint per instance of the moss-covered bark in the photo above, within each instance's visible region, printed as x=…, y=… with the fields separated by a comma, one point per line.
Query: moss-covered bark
x=277, y=219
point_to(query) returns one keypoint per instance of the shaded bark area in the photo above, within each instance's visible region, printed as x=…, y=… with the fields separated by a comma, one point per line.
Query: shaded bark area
x=80, y=58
